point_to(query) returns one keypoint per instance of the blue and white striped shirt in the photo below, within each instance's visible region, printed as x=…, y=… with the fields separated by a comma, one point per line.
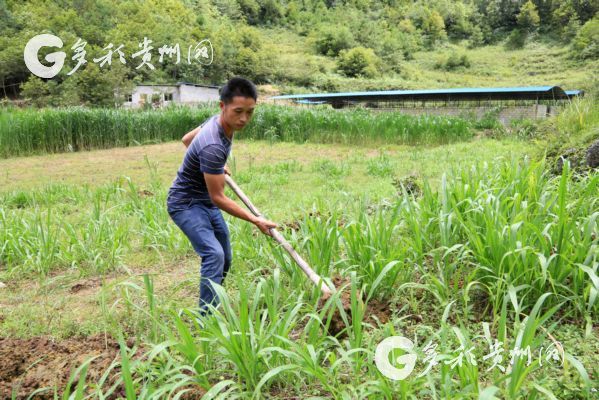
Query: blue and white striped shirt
x=208, y=152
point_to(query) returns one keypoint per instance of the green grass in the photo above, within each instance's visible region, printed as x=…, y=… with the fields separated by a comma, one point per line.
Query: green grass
x=495, y=248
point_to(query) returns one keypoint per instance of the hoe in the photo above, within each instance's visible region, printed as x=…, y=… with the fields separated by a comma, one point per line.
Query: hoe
x=314, y=277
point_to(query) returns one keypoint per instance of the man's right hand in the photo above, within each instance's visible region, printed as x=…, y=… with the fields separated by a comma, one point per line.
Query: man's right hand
x=264, y=225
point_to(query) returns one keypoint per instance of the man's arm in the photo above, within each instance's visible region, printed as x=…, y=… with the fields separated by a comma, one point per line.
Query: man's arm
x=190, y=135
x=216, y=189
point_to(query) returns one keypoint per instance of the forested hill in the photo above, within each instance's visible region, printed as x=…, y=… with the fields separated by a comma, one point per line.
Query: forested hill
x=300, y=45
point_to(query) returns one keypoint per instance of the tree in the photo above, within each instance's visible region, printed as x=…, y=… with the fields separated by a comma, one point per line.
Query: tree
x=271, y=12
x=245, y=63
x=476, y=37
x=229, y=8
x=36, y=91
x=6, y=19
x=251, y=10
x=66, y=94
x=391, y=52
x=528, y=17
x=566, y=21
x=586, y=42
x=359, y=62
x=250, y=38
x=407, y=26
x=331, y=41
x=501, y=13
x=457, y=16
x=571, y=29
x=434, y=27
x=95, y=87
x=586, y=9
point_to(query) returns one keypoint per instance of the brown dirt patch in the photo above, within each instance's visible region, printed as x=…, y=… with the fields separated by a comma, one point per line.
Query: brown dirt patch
x=145, y=193
x=41, y=362
x=375, y=310
x=86, y=286
x=292, y=226
x=31, y=364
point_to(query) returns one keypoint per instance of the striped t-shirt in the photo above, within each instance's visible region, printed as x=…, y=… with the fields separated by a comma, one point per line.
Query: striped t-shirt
x=208, y=152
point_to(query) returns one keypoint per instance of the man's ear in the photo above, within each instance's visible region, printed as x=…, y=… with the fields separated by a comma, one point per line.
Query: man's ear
x=222, y=105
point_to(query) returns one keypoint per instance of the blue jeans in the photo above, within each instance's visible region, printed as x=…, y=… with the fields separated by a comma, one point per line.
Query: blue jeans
x=209, y=235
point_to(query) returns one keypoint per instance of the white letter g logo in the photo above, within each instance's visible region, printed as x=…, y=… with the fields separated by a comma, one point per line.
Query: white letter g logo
x=381, y=357
x=31, y=55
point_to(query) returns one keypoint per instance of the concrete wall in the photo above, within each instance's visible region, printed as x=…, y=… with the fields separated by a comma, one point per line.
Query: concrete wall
x=506, y=114
x=195, y=94
x=183, y=94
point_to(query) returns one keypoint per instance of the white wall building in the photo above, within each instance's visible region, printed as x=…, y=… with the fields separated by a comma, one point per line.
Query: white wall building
x=179, y=93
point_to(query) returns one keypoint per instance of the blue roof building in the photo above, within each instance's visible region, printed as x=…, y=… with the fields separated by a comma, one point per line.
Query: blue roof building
x=457, y=95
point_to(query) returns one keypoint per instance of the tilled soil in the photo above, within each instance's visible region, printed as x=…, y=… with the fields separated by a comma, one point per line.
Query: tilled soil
x=30, y=364
x=41, y=362
x=374, y=308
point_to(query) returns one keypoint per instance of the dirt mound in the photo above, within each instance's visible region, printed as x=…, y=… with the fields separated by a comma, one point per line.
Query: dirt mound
x=409, y=183
x=375, y=309
x=30, y=364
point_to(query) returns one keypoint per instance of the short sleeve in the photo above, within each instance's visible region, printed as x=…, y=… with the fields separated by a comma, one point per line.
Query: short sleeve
x=213, y=159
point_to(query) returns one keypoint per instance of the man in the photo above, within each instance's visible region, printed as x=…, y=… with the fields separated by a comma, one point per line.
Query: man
x=197, y=193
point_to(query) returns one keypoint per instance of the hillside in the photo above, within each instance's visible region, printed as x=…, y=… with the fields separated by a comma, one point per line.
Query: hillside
x=298, y=46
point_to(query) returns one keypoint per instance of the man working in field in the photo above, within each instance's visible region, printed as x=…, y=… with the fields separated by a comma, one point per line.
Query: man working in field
x=197, y=193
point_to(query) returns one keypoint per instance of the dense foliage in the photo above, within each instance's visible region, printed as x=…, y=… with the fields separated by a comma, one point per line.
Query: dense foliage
x=354, y=38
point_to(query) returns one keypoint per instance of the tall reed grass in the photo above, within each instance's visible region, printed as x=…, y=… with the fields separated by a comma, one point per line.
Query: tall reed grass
x=30, y=131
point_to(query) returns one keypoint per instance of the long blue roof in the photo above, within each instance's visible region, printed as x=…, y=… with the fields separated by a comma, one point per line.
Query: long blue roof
x=526, y=92
x=425, y=91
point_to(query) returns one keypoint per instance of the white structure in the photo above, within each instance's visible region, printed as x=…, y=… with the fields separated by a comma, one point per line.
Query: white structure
x=179, y=93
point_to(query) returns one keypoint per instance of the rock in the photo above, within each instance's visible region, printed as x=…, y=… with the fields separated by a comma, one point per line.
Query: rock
x=592, y=157
x=569, y=154
x=2, y=285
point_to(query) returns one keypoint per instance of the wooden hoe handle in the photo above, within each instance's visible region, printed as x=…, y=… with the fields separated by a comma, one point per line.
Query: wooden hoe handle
x=314, y=277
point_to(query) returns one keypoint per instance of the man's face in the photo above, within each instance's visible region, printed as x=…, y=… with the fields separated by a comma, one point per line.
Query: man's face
x=238, y=112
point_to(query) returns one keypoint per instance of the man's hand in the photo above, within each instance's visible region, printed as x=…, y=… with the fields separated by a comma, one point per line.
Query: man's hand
x=227, y=170
x=264, y=225
x=216, y=190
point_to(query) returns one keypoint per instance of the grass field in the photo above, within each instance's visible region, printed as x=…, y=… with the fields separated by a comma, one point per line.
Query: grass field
x=492, y=249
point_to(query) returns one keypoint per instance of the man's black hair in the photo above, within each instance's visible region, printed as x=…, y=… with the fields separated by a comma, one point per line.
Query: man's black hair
x=238, y=86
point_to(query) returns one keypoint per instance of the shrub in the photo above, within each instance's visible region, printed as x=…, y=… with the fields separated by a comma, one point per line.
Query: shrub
x=454, y=61
x=359, y=62
x=517, y=39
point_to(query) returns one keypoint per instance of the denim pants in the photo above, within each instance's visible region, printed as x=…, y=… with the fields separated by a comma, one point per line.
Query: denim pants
x=209, y=235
